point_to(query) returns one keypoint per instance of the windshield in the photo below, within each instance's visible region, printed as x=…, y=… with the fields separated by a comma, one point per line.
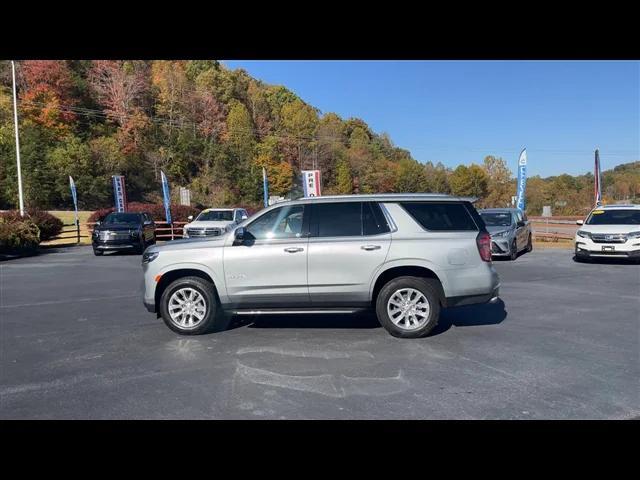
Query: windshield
x=130, y=218
x=614, y=217
x=500, y=219
x=215, y=216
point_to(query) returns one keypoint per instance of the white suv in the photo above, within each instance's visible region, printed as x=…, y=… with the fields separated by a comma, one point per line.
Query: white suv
x=609, y=231
x=406, y=256
x=213, y=222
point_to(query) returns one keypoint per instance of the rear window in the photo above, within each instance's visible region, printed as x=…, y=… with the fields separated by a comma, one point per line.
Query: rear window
x=443, y=216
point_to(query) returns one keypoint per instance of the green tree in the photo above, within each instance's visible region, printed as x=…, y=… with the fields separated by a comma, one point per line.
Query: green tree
x=469, y=181
x=345, y=182
x=411, y=177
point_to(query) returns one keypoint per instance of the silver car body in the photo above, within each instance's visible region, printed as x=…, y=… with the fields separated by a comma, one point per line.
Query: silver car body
x=502, y=237
x=208, y=228
x=328, y=272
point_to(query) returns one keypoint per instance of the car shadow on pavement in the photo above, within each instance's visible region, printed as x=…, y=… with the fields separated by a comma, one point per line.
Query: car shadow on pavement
x=470, y=316
x=608, y=261
x=364, y=319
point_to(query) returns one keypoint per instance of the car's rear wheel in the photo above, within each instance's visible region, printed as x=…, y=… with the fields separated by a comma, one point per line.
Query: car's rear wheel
x=409, y=307
x=97, y=252
x=189, y=306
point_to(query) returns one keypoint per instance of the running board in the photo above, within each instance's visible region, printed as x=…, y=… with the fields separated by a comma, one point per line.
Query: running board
x=299, y=311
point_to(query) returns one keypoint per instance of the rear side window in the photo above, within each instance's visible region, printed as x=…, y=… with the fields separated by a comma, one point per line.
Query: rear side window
x=347, y=219
x=336, y=219
x=443, y=216
x=373, y=220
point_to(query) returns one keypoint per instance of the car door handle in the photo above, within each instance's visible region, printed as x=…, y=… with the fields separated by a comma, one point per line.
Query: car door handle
x=370, y=247
x=293, y=249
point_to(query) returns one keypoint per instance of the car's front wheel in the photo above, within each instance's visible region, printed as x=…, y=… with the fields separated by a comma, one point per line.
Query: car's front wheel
x=189, y=306
x=529, y=244
x=97, y=252
x=409, y=307
x=514, y=250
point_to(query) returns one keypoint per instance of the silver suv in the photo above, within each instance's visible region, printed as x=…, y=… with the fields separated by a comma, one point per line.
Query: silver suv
x=510, y=231
x=405, y=255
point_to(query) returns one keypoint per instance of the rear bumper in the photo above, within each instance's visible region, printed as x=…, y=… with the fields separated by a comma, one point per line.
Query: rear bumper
x=491, y=297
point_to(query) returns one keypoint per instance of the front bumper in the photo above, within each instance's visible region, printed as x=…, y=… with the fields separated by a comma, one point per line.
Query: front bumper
x=500, y=246
x=585, y=247
x=119, y=245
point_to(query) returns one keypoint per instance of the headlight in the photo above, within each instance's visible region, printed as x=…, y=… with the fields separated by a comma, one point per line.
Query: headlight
x=133, y=233
x=633, y=235
x=149, y=256
x=583, y=234
x=500, y=234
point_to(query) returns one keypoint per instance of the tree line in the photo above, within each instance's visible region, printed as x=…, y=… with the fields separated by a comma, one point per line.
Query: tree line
x=213, y=129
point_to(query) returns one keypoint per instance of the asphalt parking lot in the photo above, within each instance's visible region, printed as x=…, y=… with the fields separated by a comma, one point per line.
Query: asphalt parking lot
x=76, y=343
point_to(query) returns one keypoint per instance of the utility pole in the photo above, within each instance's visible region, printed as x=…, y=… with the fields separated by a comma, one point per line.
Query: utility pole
x=15, y=119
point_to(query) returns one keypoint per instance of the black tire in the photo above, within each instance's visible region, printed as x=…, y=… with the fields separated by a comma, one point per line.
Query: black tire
x=97, y=253
x=429, y=287
x=141, y=248
x=214, y=319
x=514, y=250
x=529, y=244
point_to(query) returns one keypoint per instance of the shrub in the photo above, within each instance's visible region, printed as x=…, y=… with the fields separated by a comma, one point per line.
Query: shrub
x=48, y=225
x=179, y=213
x=18, y=235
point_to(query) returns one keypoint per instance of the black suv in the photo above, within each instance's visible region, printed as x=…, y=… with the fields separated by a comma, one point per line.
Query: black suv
x=124, y=231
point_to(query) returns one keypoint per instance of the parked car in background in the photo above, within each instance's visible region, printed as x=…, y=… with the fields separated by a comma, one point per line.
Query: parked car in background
x=404, y=255
x=213, y=222
x=123, y=231
x=609, y=231
x=510, y=231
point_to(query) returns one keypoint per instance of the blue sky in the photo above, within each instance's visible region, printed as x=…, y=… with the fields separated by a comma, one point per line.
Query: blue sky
x=459, y=111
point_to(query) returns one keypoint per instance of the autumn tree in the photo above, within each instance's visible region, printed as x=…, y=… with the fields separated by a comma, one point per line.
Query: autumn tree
x=48, y=94
x=469, y=181
x=499, y=182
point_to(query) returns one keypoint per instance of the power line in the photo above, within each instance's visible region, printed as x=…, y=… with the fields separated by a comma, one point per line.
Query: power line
x=321, y=138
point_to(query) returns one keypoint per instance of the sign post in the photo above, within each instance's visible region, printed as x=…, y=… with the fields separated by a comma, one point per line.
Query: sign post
x=74, y=195
x=15, y=120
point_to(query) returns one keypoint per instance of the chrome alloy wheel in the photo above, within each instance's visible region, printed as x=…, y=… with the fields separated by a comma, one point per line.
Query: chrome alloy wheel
x=408, y=309
x=187, y=308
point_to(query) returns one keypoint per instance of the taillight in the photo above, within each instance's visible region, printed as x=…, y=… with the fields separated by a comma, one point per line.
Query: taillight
x=484, y=246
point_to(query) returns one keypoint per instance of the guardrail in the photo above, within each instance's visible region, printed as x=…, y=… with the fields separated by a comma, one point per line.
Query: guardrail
x=554, y=228
x=74, y=231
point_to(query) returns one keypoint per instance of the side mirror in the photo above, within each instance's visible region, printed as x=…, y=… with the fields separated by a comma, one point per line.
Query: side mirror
x=239, y=235
x=148, y=222
x=244, y=217
x=98, y=223
x=579, y=222
x=521, y=223
x=190, y=217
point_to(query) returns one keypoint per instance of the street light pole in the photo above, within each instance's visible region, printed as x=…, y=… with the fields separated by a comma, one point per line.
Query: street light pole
x=15, y=119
